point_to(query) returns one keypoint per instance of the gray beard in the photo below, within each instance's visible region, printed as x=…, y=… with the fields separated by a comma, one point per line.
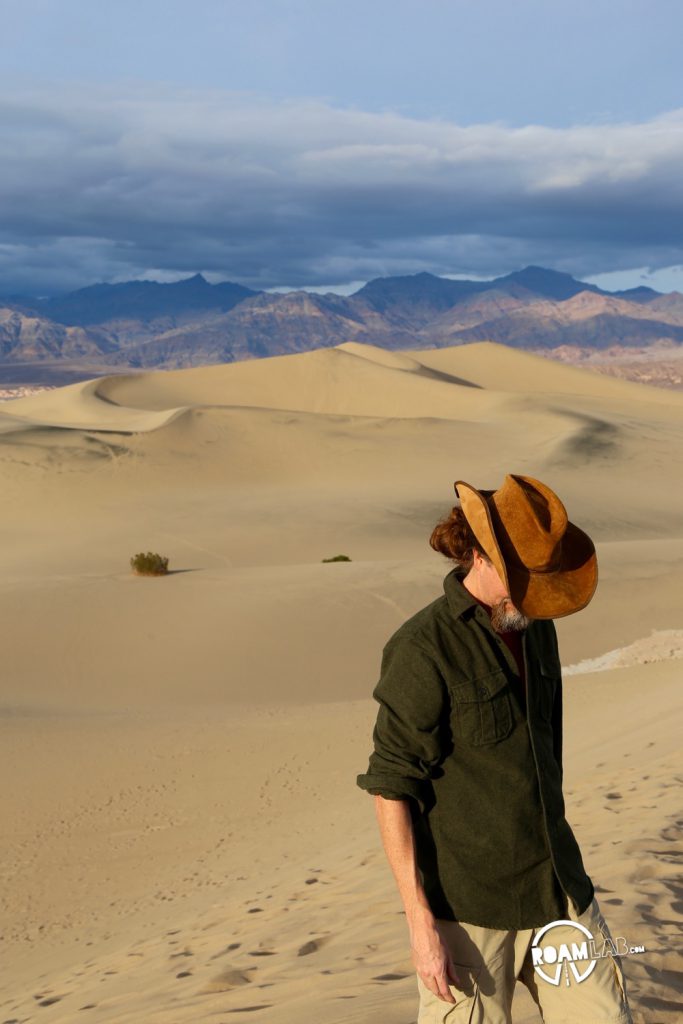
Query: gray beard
x=505, y=617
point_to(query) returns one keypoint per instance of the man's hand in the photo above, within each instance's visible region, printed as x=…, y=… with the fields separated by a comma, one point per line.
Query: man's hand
x=431, y=958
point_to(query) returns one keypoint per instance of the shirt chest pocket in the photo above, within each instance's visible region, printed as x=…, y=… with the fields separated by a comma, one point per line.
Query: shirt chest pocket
x=481, y=712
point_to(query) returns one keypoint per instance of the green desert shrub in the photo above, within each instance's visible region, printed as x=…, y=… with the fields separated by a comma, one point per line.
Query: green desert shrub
x=150, y=564
x=337, y=558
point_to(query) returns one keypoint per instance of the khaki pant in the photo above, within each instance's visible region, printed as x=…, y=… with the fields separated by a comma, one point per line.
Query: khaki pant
x=489, y=962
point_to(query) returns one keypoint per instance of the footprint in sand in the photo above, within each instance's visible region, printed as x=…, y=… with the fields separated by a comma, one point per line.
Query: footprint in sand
x=312, y=946
x=246, y=1009
x=672, y=832
x=227, y=949
x=228, y=979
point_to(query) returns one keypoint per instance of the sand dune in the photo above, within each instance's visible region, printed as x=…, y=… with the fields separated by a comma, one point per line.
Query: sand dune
x=329, y=381
x=464, y=382
x=81, y=406
x=489, y=365
x=185, y=837
x=212, y=909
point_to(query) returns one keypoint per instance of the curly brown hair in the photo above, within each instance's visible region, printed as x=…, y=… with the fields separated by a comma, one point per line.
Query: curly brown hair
x=453, y=537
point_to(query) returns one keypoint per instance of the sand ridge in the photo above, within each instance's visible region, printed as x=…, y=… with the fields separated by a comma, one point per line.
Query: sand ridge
x=81, y=406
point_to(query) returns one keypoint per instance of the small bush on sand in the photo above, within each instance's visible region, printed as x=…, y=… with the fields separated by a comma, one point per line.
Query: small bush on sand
x=338, y=558
x=150, y=564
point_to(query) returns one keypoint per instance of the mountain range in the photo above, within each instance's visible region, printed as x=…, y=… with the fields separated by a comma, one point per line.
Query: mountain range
x=145, y=324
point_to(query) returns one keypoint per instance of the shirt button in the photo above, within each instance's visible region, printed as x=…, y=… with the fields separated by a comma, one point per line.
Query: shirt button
x=482, y=691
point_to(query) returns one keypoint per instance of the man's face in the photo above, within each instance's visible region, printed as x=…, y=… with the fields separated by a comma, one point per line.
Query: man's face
x=492, y=590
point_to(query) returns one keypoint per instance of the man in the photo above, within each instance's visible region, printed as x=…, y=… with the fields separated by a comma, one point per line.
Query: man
x=467, y=766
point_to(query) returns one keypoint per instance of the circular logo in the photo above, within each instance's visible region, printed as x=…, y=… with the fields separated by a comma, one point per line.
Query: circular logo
x=551, y=960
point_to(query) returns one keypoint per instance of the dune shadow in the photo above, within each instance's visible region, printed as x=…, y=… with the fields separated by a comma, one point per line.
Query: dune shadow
x=170, y=572
x=446, y=378
x=594, y=439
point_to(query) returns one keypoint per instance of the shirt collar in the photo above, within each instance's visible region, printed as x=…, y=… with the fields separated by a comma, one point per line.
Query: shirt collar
x=460, y=601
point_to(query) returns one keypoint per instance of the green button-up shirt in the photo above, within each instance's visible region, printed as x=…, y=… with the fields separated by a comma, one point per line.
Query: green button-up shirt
x=484, y=775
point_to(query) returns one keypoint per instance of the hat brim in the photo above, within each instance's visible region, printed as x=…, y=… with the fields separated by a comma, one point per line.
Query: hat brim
x=539, y=595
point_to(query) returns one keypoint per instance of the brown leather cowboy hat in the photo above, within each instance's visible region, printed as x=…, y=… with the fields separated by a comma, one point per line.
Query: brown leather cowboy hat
x=548, y=564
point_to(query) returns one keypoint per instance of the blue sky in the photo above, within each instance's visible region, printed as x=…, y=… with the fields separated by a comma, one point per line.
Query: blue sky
x=317, y=144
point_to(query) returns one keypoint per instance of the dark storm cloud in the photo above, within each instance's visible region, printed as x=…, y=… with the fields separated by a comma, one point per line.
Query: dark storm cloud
x=108, y=185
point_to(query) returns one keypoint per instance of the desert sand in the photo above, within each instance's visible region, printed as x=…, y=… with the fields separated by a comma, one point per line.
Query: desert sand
x=183, y=839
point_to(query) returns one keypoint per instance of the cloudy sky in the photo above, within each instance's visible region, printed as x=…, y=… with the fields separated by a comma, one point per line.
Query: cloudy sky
x=320, y=143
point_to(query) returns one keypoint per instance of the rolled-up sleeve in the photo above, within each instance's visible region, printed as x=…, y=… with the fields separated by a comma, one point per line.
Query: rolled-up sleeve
x=412, y=699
